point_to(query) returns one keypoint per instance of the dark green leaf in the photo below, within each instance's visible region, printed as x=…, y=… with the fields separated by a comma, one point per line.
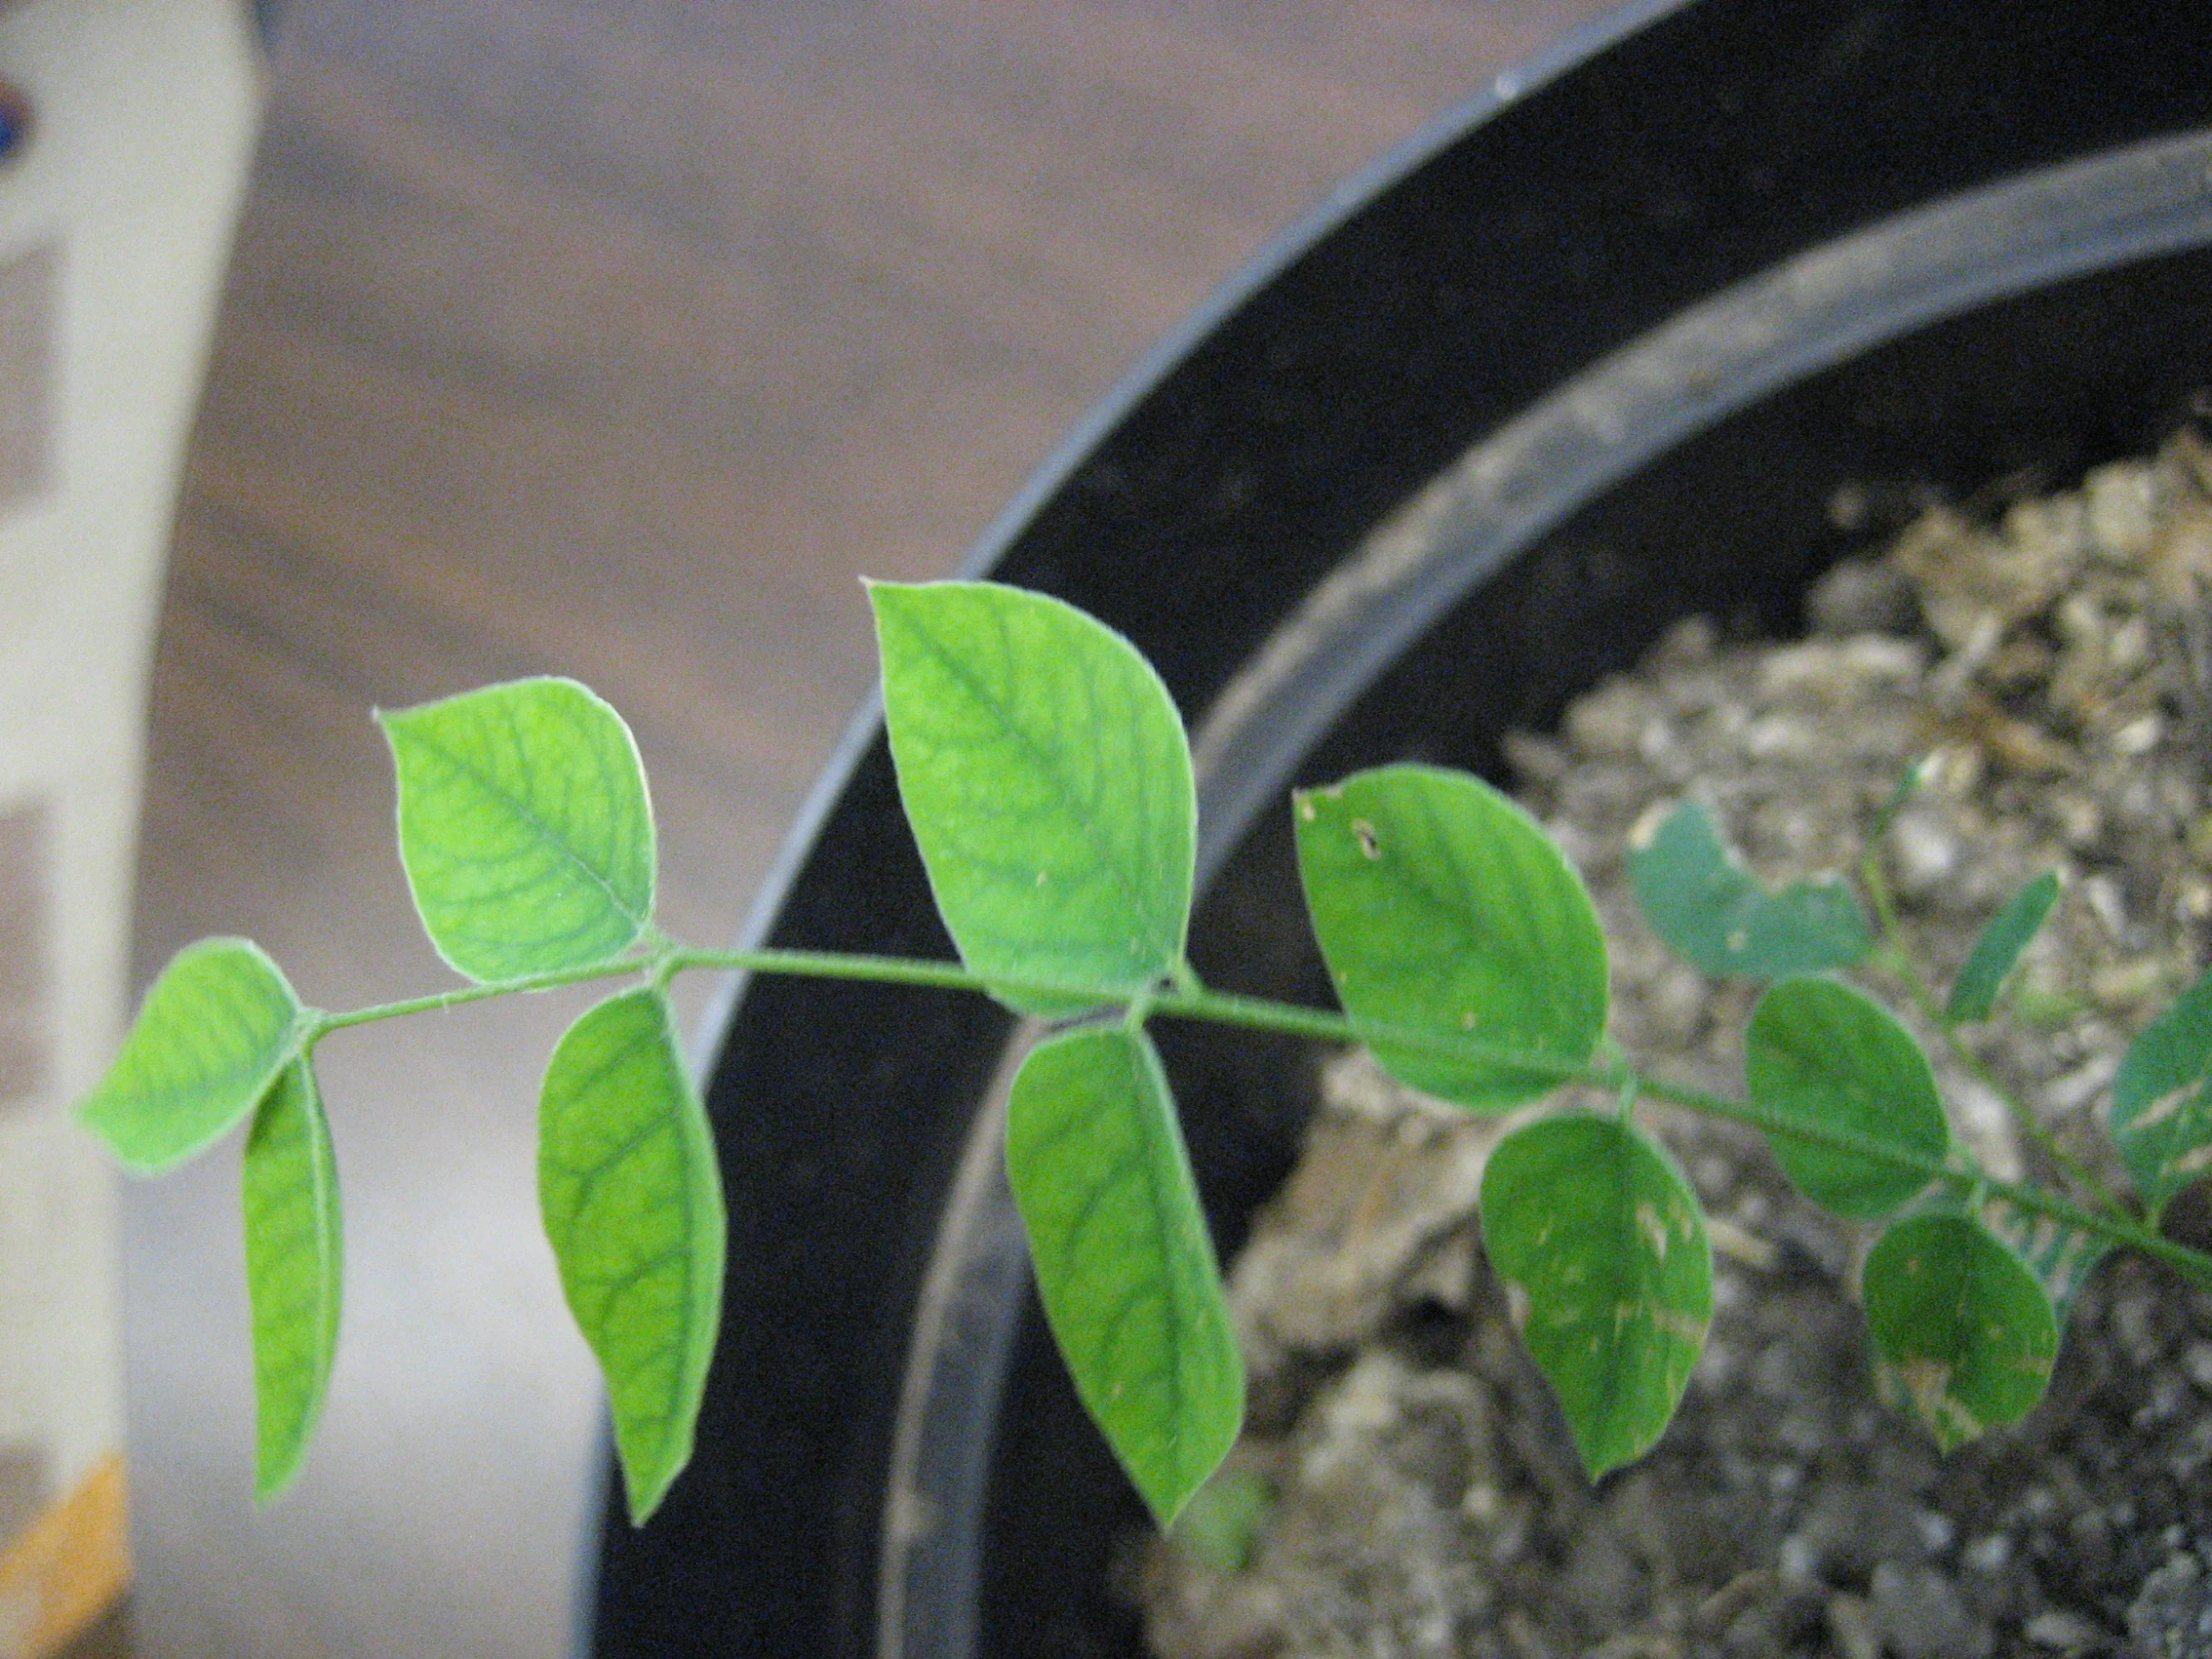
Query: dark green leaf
x=632, y=1200
x=1963, y=1335
x=1975, y=996
x=1832, y=1058
x=214, y=1032
x=1123, y=1260
x=524, y=826
x=2161, y=1105
x=1444, y=909
x=293, y=1270
x=1602, y=1245
x=1708, y=910
x=1046, y=774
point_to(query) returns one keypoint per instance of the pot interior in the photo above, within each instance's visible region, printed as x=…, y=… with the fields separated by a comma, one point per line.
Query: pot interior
x=1732, y=520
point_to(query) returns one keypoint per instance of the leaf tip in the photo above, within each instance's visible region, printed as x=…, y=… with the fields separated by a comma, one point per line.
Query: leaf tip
x=644, y=1490
x=1598, y=1462
x=879, y=589
x=92, y=1114
x=274, y=1476
x=1222, y=1522
x=1168, y=1498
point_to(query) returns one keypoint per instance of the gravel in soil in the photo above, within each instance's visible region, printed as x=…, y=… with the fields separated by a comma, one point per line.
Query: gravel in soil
x=1420, y=1496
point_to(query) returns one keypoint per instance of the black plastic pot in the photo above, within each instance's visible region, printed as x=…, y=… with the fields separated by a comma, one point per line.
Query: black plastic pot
x=1599, y=353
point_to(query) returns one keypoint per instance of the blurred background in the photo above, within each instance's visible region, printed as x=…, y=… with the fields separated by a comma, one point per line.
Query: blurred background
x=610, y=340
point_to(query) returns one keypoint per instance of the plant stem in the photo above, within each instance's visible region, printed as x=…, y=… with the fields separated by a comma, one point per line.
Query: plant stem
x=924, y=973
x=460, y=996
x=2114, y=1228
x=1187, y=1001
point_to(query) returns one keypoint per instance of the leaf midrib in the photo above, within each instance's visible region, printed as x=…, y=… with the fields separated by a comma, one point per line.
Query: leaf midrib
x=528, y=816
x=1123, y=877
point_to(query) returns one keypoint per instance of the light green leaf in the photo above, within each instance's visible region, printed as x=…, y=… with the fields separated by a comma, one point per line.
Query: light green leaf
x=1709, y=910
x=293, y=1270
x=1602, y=1248
x=1963, y=1335
x=524, y=826
x=2161, y=1104
x=1046, y=774
x=1973, y=997
x=632, y=1200
x=218, y=1026
x=1123, y=1260
x=1444, y=909
x=1832, y=1058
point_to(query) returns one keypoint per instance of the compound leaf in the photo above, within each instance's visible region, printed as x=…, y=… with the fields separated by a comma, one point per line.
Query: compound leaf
x=1123, y=1261
x=632, y=1200
x=524, y=826
x=1973, y=997
x=1709, y=910
x=1832, y=1058
x=293, y=1270
x=1444, y=909
x=1602, y=1247
x=2161, y=1104
x=1964, y=1334
x=1047, y=778
x=218, y=1027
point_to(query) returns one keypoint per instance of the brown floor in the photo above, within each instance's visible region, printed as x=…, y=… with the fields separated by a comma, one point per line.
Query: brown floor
x=613, y=340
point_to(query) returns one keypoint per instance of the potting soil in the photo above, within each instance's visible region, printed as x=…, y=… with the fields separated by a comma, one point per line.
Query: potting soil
x=1415, y=1495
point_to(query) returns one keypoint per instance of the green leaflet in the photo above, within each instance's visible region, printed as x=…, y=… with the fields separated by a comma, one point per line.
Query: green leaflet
x=1973, y=997
x=632, y=1200
x=1963, y=1335
x=218, y=1026
x=1444, y=909
x=2161, y=1107
x=525, y=828
x=295, y=1270
x=1046, y=775
x=1831, y=1057
x=1709, y=910
x=1123, y=1260
x=1602, y=1244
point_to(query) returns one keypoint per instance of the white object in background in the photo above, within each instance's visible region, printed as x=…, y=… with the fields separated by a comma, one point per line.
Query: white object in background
x=116, y=214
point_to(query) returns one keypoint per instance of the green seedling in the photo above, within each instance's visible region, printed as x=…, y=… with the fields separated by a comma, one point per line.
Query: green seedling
x=1047, y=779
